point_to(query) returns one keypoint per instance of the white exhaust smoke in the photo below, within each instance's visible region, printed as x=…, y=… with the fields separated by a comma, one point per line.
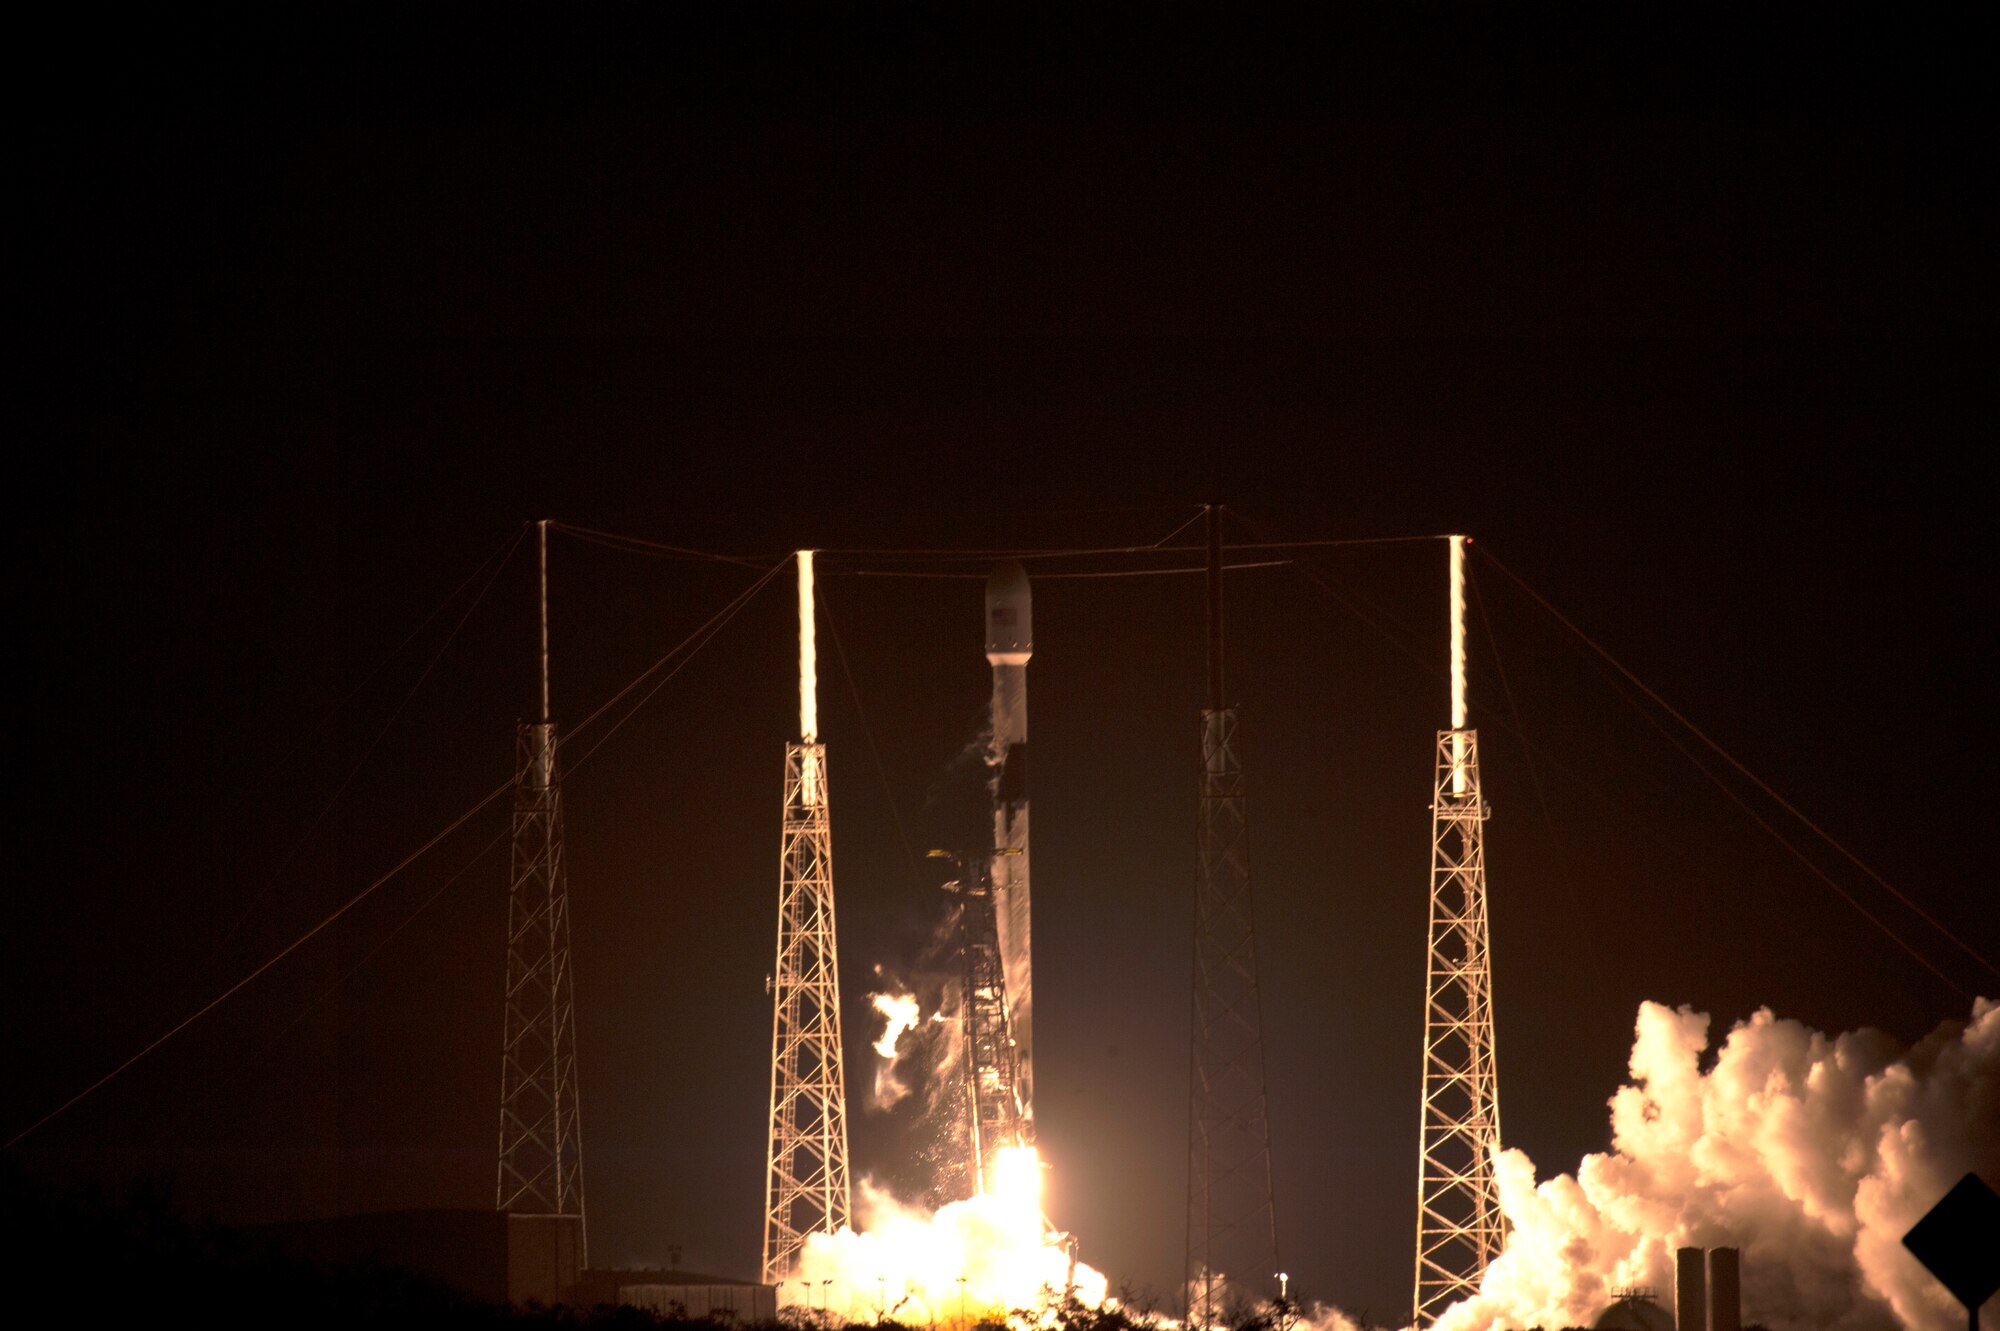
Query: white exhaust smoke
x=900, y=1013
x=985, y=1256
x=1812, y=1154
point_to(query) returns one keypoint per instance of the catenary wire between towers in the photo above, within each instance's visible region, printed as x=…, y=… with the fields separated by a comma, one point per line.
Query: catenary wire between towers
x=702, y=635
x=1765, y=787
x=683, y=650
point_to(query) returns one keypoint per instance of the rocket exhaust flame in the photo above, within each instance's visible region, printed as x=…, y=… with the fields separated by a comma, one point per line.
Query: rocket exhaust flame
x=987, y=1256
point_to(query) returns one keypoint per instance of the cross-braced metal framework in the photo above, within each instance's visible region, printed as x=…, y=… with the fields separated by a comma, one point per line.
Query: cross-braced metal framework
x=997, y=1115
x=1459, y=1225
x=806, y=1188
x=1232, y=1236
x=541, y=1152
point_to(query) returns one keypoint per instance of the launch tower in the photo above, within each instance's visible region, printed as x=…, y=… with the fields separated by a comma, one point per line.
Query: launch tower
x=996, y=1118
x=1459, y=1226
x=1232, y=1235
x=540, y=1184
x=806, y=1187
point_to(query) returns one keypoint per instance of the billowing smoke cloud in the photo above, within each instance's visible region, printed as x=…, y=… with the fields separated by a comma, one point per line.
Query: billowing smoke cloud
x=899, y=1014
x=987, y=1254
x=1812, y=1154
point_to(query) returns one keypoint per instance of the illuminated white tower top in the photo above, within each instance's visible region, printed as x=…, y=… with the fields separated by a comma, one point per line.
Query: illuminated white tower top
x=808, y=654
x=1457, y=664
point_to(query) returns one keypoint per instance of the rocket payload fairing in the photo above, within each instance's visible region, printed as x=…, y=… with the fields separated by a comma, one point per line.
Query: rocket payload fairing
x=1009, y=644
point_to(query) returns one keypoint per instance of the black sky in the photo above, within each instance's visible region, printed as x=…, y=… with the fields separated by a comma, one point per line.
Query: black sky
x=1691, y=329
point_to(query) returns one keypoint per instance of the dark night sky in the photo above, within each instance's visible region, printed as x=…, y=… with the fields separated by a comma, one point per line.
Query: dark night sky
x=1693, y=330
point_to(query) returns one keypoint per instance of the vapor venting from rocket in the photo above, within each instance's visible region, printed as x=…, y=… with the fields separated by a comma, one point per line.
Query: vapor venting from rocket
x=900, y=1013
x=1812, y=1154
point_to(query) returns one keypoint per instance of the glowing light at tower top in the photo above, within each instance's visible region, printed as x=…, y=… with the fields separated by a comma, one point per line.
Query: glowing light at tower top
x=808, y=663
x=1457, y=662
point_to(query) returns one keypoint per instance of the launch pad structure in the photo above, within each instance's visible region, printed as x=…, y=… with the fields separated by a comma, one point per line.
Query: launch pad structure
x=1459, y=1225
x=540, y=1176
x=1232, y=1238
x=996, y=1117
x=1232, y=1229
x=806, y=1182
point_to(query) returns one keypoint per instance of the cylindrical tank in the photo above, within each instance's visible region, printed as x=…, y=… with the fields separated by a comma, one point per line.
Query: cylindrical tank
x=1725, y=1295
x=1690, y=1290
x=1010, y=616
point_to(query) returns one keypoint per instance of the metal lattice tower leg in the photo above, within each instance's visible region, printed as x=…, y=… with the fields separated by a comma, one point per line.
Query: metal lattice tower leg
x=806, y=1184
x=1232, y=1243
x=1232, y=1229
x=541, y=1156
x=1459, y=1225
x=541, y=1139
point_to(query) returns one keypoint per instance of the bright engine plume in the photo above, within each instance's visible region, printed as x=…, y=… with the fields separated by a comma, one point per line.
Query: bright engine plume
x=986, y=1256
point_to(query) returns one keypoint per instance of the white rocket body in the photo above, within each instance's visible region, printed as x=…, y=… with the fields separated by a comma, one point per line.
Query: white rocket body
x=1009, y=644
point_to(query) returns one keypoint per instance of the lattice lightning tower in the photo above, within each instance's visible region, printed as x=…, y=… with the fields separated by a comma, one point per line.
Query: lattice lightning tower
x=541, y=1151
x=1232, y=1236
x=806, y=1188
x=1459, y=1226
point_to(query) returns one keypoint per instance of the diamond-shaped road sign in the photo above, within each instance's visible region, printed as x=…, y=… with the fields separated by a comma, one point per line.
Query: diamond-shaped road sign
x=1959, y=1240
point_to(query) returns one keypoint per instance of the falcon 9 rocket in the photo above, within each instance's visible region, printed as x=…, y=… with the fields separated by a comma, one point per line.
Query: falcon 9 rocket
x=1009, y=644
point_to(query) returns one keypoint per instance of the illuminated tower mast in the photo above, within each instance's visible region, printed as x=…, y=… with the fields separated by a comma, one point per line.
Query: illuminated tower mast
x=806, y=1182
x=1232, y=1234
x=1459, y=1226
x=541, y=1158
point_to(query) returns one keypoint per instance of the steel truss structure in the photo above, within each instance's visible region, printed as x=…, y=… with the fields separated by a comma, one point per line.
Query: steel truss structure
x=806, y=1188
x=997, y=1114
x=1459, y=1225
x=541, y=1153
x=1232, y=1236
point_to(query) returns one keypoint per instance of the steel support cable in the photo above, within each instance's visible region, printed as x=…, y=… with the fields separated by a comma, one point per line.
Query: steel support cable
x=1534, y=773
x=639, y=545
x=305, y=838
x=699, y=638
x=1158, y=548
x=503, y=553
x=357, y=967
x=686, y=649
x=636, y=544
x=1811, y=867
x=868, y=732
x=1425, y=663
x=1050, y=577
x=498, y=561
x=1200, y=512
x=384, y=941
x=290, y=948
x=1759, y=783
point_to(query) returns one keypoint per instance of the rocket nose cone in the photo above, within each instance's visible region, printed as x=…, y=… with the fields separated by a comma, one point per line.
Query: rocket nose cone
x=1009, y=615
